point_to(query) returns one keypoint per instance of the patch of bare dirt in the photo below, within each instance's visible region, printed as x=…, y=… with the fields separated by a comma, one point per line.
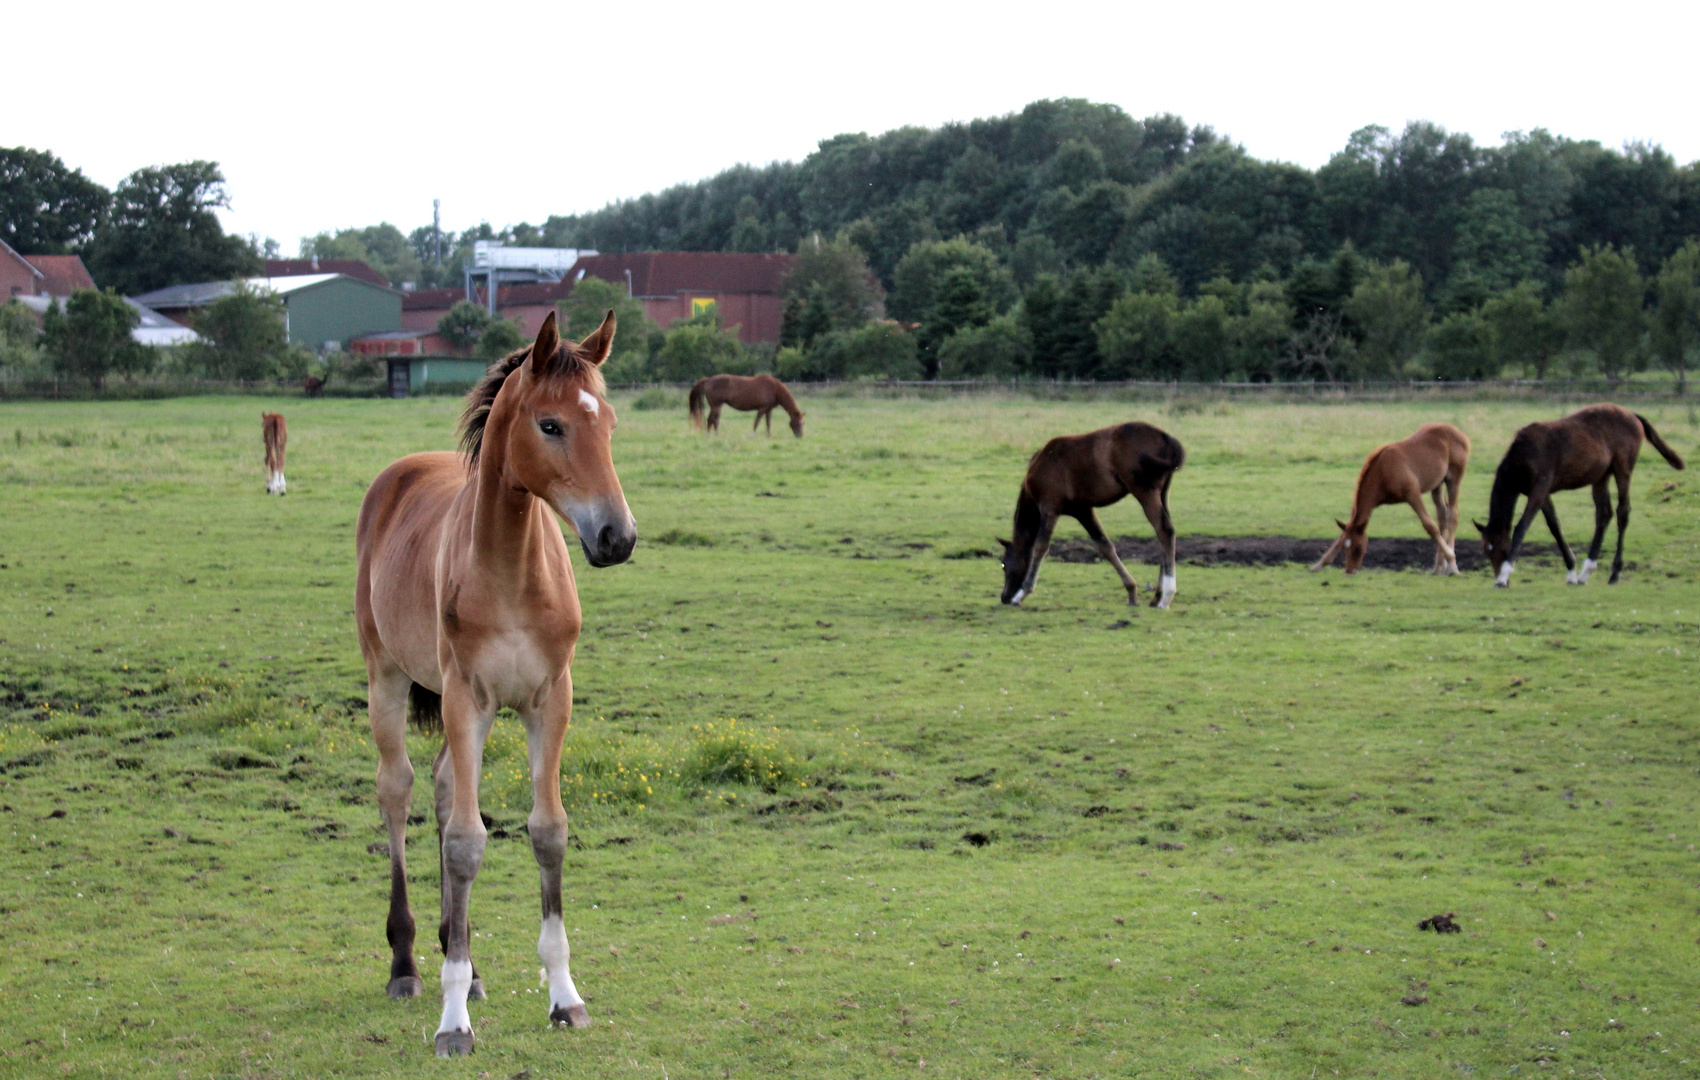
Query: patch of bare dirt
x=1385, y=553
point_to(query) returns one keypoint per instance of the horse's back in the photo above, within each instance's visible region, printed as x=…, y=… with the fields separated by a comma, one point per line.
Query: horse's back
x=1098, y=467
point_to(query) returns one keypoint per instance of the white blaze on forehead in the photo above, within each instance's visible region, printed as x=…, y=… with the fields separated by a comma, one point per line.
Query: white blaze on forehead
x=588, y=400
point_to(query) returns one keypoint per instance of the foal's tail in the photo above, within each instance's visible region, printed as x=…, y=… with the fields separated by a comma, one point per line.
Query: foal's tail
x=1156, y=467
x=1659, y=444
x=697, y=395
x=424, y=709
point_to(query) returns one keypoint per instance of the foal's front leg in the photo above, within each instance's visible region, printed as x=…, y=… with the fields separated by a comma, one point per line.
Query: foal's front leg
x=544, y=731
x=1041, y=546
x=466, y=723
x=1089, y=520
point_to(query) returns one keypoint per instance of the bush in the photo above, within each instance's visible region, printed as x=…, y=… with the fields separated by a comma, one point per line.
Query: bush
x=882, y=350
x=1001, y=349
x=243, y=336
x=90, y=337
x=1460, y=348
x=697, y=348
x=500, y=337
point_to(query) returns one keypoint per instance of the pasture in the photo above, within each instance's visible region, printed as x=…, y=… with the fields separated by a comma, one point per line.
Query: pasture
x=835, y=811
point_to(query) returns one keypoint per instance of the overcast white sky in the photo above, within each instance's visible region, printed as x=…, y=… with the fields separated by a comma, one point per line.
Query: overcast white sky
x=331, y=114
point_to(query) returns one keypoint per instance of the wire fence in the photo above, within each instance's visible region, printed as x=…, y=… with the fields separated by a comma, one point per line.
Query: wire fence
x=14, y=387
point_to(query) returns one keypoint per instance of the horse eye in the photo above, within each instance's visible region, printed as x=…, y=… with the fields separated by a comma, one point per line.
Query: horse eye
x=551, y=428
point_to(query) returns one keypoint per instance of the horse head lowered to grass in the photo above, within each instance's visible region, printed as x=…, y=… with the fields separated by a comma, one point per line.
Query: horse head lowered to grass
x=1591, y=448
x=465, y=603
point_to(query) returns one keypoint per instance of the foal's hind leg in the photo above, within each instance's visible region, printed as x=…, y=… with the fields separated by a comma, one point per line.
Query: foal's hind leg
x=714, y=417
x=1156, y=506
x=386, y=693
x=755, y=427
x=1602, y=518
x=1440, y=545
x=1623, y=477
x=1089, y=520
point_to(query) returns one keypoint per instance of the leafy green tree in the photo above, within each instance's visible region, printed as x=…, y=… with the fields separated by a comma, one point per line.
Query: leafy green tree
x=829, y=287
x=1460, y=348
x=946, y=286
x=500, y=337
x=1675, y=322
x=1523, y=330
x=1257, y=338
x=18, y=334
x=589, y=303
x=1492, y=244
x=879, y=350
x=243, y=336
x=90, y=338
x=1386, y=310
x=999, y=349
x=463, y=325
x=163, y=230
x=698, y=347
x=1199, y=335
x=1134, y=337
x=1601, y=308
x=1151, y=275
x=383, y=247
x=748, y=232
x=45, y=207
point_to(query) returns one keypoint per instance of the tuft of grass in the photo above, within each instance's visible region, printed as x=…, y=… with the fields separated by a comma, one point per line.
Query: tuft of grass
x=682, y=538
x=657, y=398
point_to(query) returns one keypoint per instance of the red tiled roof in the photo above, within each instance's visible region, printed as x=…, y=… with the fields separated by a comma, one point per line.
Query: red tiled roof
x=355, y=268
x=668, y=273
x=507, y=296
x=62, y=274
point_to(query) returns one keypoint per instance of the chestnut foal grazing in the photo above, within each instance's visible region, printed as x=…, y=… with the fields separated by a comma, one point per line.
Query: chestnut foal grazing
x=763, y=393
x=465, y=602
x=1076, y=474
x=1588, y=448
x=276, y=434
x=1403, y=472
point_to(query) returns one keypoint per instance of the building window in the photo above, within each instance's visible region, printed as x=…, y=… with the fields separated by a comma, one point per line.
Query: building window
x=701, y=305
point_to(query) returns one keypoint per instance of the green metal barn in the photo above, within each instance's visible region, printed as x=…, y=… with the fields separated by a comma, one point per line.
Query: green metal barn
x=320, y=310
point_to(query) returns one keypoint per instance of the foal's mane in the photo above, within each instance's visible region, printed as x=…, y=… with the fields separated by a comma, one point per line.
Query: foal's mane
x=567, y=362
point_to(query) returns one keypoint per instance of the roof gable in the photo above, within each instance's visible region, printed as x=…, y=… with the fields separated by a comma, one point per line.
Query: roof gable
x=354, y=268
x=62, y=274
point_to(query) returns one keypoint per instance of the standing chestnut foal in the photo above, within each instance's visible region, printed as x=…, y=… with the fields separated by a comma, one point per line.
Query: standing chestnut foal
x=276, y=434
x=1076, y=474
x=1588, y=448
x=465, y=603
x=1403, y=472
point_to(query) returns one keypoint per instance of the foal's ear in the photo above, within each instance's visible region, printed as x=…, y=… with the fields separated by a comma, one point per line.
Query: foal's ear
x=1006, y=544
x=547, y=345
x=1479, y=526
x=1342, y=524
x=597, y=345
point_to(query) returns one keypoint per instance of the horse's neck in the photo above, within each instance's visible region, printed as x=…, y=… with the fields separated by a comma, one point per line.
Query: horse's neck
x=1502, y=501
x=1027, y=519
x=504, y=534
x=786, y=401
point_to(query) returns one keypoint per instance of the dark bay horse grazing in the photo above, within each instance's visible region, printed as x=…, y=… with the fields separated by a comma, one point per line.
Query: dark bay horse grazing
x=1076, y=474
x=763, y=393
x=1403, y=472
x=1588, y=448
x=312, y=386
x=276, y=434
x=465, y=602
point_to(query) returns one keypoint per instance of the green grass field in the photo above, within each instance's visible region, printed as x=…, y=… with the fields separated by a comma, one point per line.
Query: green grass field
x=836, y=811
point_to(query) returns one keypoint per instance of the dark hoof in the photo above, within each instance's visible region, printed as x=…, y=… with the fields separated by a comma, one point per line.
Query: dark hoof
x=476, y=991
x=454, y=1043
x=572, y=1016
x=406, y=986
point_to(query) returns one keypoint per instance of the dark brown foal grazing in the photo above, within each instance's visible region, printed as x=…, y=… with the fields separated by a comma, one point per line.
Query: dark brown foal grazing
x=276, y=435
x=1076, y=474
x=465, y=602
x=1588, y=448
x=763, y=393
x=1403, y=472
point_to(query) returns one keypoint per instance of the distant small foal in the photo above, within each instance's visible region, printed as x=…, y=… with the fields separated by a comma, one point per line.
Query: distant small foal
x=276, y=434
x=1403, y=472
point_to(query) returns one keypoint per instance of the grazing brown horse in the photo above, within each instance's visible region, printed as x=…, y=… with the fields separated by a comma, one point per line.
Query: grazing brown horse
x=276, y=434
x=465, y=603
x=1403, y=472
x=763, y=393
x=1076, y=474
x=1588, y=448
x=312, y=385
